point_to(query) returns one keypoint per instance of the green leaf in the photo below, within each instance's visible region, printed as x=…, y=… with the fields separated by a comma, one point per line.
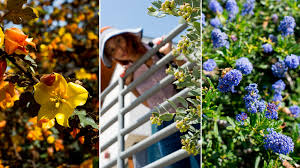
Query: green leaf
x=172, y=104
x=157, y=4
x=193, y=101
x=156, y=114
x=167, y=116
x=81, y=112
x=181, y=110
x=88, y=121
x=85, y=120
x=182, y=101
x=29, y=59
x=197, y=26
x=195, y=92
x=196, y=73
x=96, y=162
x=231, y=121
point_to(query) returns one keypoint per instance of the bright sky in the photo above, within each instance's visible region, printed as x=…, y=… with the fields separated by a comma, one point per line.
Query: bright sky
x=132, y=14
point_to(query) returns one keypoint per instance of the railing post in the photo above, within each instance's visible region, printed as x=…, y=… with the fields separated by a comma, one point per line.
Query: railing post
x=120, y=161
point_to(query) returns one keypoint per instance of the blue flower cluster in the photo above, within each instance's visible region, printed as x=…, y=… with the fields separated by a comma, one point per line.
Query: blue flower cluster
x=292, y=61
x=244, y=65
x=295, y=110
x=241, y=117
x=209, y=65
x=230, y=79
x=278, y=143
x=278, y=87
x=232, y=8
x=287, y=26
x=267, y=48
x=215, y=6
x=261, y=105
x=219, y=39
x=271, y=112
x=215, y=22
x=203, y=19
x=279, y=69
x=252, y=102
x=248, y=7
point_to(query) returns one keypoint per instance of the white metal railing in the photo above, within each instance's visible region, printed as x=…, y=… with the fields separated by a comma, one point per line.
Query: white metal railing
x=165, y=132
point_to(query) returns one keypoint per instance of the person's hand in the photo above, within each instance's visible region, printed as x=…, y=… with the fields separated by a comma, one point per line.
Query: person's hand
x=164, y=49
x=129, y=78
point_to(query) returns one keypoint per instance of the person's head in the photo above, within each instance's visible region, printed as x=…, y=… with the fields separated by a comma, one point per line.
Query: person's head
x=120, y=45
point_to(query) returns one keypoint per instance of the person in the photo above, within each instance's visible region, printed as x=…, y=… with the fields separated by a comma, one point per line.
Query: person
x=126, y=47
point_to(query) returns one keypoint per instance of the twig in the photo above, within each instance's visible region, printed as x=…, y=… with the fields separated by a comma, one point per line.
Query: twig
x=2, y=18
x=22, y=68
x=17, y=153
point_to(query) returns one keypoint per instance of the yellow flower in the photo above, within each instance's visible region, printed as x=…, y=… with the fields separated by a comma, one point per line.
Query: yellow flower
x=67, y=40
x=1, y=37
x=92, y=36
x=50, y=139
x=82, y=74
x=58, y=98
x=8, y=94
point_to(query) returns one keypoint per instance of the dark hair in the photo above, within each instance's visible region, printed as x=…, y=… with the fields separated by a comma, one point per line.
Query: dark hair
x=134, y=43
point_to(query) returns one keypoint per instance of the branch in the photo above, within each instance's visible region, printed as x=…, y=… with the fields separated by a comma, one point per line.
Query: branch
x=22, y=68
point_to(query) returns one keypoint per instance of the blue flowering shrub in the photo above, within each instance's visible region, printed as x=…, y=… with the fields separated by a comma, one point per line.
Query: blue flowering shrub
x=244, y=89
x=251, y=99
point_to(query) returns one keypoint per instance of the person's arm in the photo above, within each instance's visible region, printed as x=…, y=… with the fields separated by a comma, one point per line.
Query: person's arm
x=164, y=50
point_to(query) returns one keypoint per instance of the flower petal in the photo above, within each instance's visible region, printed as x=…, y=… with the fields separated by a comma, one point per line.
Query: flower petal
x=77, y=95
x=1, y=37
x=47, y=111
x=43, y=93
x=63, y=114
x=10, y=46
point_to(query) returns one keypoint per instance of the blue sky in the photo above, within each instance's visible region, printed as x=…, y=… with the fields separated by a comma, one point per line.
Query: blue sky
x=133, y=13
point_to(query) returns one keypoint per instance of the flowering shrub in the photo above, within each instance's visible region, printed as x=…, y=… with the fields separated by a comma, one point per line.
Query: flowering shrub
x=255, y=125
x=248, y=101
x=48, y=89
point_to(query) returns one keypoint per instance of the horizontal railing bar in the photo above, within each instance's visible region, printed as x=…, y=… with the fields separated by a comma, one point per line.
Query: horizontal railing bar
x=144, y=118
x=162, y=62
x=152, y=51
x=108, y=89
x=169, y=159
x=107, y=107
x=161, y=84
x=165, y=132
x=109, y=123
x=168, y=79
x=164, y=82
x=147, y=116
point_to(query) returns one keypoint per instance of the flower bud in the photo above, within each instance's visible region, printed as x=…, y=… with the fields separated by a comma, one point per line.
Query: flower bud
x=48, y=79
